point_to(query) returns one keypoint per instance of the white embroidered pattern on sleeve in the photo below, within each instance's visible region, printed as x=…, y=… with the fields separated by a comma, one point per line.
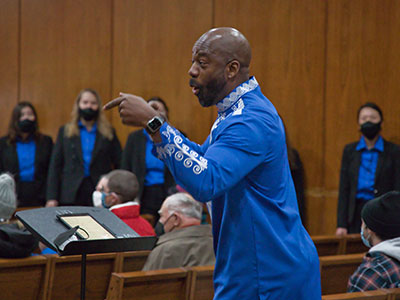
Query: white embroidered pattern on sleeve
x=181, y=152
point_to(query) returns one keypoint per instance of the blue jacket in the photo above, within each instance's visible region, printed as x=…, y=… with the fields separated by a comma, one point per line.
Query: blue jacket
x=262, y=249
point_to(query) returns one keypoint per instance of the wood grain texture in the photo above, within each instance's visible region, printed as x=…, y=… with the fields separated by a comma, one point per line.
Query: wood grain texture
x=362, y=65
x=9, y=65
x=65, y=47
x=317, y=61
x=152, y=53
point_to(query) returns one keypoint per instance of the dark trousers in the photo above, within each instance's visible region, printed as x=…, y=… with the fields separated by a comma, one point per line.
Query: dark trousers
x=355, y=226
x=84, y=194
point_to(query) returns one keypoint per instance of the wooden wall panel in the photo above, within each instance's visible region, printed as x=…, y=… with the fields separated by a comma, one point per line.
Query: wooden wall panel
x=65, y=46
x=288, y=43
x=317, y=61
x=9, y=37
x=152, y=53
x=362, y=65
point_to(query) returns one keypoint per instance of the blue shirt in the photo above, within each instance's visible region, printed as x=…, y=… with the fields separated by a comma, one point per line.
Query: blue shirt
x=154, y=166
x=26, y=159
x=262, y=249
x=88, y=139
x=366, y=174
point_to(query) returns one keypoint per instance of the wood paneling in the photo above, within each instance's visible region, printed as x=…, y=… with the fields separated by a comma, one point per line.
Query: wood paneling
x=152, y=53
x=9, y=37
x=317, y=61
x=65, y=47
x=363, y=65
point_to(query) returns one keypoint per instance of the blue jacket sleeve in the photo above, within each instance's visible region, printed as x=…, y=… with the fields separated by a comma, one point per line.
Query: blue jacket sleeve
x=241, y=145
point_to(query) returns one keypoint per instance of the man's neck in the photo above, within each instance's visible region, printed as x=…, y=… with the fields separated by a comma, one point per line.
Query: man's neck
x=371, y=143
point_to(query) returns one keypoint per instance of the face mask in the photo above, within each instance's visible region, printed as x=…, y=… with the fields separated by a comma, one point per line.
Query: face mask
x=365, y=240
x=27, y=126
x=159, y=228
x=370, y=130
x=88, y=114
x=99, y=199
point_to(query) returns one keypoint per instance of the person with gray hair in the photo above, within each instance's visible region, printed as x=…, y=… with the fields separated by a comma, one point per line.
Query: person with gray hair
x=185, y=242
x=15, y=241
x=8, y=202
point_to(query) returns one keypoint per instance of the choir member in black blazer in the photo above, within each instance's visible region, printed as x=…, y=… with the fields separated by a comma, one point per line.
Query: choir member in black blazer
x=137, y=158
x=370, y=168
x=25, y=153
x=86, y=148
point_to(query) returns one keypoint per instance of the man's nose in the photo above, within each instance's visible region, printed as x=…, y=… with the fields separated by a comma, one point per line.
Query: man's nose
x=193, y=71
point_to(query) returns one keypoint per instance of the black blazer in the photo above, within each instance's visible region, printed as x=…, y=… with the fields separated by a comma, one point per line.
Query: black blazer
x=134, y=160
x=387, y=178
x=28, y=193
x=66, y=171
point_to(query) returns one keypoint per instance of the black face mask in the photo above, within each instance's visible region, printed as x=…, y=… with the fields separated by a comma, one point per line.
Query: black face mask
x=370, y=130
x=159, y=228
x=88, y=114
x=27, y=126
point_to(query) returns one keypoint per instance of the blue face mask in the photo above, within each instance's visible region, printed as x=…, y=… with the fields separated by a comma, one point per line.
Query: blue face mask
x=99, y=199
x=365, y=240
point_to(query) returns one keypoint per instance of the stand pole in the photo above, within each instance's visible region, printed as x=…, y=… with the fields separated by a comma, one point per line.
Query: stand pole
x=83, y=276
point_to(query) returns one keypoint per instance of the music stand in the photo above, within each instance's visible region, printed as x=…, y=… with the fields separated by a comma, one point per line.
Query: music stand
x=46, y=224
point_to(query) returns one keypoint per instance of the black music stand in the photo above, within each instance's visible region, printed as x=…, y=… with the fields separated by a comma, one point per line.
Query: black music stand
x=46, y=225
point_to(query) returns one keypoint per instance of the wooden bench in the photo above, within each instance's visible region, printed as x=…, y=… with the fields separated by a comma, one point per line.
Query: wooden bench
x=24, y=278
x=336, y=270
x=201, y=283
x=354, y=244
x=334, y=245
x=65, y=276
x=167, y=284
x=131, y=261
x=381, y=294
x=328, y=244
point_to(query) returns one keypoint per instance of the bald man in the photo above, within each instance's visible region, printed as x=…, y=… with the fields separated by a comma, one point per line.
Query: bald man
x=262, y=250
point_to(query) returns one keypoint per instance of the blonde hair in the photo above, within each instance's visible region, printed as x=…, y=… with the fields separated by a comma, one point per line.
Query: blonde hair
x=103, y=126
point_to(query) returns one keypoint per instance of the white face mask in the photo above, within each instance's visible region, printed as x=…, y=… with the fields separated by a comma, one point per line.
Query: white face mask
x=99, y=199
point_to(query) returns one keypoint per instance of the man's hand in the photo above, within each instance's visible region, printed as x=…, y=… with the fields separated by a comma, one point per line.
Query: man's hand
x=133, y=110
x=51, y=203
x=340, y=231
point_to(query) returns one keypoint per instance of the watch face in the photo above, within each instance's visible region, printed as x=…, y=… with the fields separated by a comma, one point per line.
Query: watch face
x=154, y=124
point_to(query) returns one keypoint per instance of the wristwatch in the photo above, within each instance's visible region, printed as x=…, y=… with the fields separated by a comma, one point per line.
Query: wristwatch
x=154, y=124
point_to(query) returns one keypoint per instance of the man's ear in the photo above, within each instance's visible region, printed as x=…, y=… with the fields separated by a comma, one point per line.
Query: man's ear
x=232, y=68
x=177, y=220
x=113, y=199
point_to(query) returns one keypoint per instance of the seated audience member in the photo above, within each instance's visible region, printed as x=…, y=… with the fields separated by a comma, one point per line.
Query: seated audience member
x=380, y=230
x=153, y=176
x=117, y=191
x=370, y=168
x=15, y=241
x=185, y=242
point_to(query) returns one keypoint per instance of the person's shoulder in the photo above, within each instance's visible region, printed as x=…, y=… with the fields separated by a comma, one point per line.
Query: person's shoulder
x=389, y=146
x=351, y=146
x=46, y=138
